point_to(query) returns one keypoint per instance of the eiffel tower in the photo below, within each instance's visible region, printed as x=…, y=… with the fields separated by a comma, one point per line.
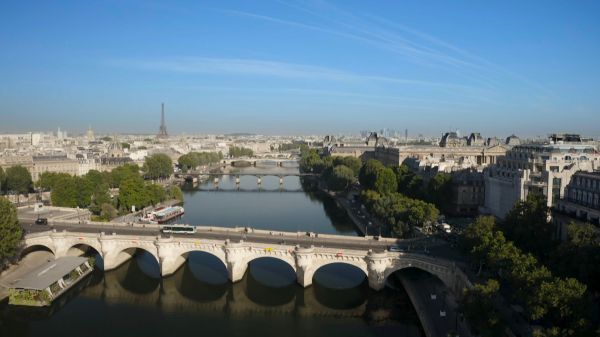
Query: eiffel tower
x=162, y=132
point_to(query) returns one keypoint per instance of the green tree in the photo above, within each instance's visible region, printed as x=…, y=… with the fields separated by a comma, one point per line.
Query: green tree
x=235, y=152
x=2, y=180
x=439, y=190
x=311, y=161
x=369, y=172
x=579, y=255
x=118, y=174
x=108, y=212
x=18, y=179
x=340, y=178
x=174, y=192
x=133, y=192
x=351, y=162
x=158, y=166
x=477, y=306
x=10, y=231
x=64, y=191
x=527, y=225
x=99, y=197
x=156, y=193
x=385, y=181
x=125, y=145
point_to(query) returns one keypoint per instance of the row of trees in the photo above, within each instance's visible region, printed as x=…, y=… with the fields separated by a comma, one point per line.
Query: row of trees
x=380, y=189
x=438, y=189
x=16, y=179
x=92, y=191
x=559, y=305
x=194, y=159
x=236, y=151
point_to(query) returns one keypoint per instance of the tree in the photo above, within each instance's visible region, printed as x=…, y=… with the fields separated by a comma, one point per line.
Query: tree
x=108, y=212
x=477, y=305
x=158, y=166
x=409, y=183
x=340, y=178
x=132, y=192
x=439, y=190
x=118, y=174
x=174, y=192
x=579, y=255
x=351, y=162
x=10, y=231
x=99, y=197
x=64, y=191
x=2, y=180
x=527, y=225
x=385, y=181
x=369, y=172
x=156, y=193
x=311, y=161
x=18, y=179
x=235, y=152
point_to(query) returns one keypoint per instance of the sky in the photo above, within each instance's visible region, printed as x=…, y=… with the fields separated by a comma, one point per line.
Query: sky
x=301, y=67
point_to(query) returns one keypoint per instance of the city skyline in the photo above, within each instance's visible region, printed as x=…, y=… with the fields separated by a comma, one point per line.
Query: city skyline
x=298, y=68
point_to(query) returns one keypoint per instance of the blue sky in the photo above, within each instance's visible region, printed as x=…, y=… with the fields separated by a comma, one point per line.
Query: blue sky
x=299, y=67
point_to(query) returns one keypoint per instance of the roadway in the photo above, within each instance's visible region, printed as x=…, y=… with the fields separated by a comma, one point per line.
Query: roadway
x=302, y=239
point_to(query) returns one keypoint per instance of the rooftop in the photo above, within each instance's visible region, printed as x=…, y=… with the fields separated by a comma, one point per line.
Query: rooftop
x=43, y=276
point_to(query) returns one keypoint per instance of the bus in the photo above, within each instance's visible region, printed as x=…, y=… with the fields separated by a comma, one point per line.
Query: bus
x=178, y=229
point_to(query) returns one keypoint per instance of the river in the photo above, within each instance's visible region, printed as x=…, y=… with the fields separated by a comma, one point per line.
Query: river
x=133, y=300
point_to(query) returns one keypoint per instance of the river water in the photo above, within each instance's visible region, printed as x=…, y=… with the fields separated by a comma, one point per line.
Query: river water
x=133, y=300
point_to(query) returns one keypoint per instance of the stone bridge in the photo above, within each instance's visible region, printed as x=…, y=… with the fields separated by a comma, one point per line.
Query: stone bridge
x=171, y=253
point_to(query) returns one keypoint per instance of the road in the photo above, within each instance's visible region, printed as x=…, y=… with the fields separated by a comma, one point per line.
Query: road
x=302, y=239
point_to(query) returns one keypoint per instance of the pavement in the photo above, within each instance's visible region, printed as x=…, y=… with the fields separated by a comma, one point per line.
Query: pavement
x=16, y=272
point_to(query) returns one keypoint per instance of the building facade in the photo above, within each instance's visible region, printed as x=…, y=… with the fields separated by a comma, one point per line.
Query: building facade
x=536, y=168
x=580, y=203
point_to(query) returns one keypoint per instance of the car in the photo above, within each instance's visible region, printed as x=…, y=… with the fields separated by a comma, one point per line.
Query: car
x=339, y=254
x=41, y=221
x=395, y=249
x=442, y=313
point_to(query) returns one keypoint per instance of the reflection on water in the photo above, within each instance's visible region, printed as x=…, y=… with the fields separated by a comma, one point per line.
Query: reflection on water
x=131, y=301
x=306, y=210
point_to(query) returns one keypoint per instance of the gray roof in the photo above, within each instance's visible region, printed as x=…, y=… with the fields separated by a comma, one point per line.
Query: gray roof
x=43, y=276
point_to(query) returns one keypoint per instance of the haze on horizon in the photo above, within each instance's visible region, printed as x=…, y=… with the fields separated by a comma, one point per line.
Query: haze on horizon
x=301, y=67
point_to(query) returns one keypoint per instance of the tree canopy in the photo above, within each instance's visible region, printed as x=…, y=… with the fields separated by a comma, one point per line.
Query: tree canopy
x=527, y=225
x=340, y=178
x=194, y=159
x=158, y=166
x=10, y=231
x=18, y=179
x=238, y=151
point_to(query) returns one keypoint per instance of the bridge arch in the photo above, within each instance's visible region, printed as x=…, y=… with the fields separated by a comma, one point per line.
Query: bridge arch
x=118, y=255
x=170, y=263
x=306, y=279
x=440, y=272
x=36, y=247
x=289, y=260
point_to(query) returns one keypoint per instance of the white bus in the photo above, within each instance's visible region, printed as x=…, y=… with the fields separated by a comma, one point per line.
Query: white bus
x=178, y=229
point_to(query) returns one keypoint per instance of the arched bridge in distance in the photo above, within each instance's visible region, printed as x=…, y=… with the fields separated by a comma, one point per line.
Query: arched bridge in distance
x=237, y=247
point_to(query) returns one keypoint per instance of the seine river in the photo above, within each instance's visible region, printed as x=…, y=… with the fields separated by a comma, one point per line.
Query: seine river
x=198, y=300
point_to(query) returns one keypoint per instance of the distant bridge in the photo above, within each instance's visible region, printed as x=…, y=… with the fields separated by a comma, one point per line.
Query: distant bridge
x=192, y=175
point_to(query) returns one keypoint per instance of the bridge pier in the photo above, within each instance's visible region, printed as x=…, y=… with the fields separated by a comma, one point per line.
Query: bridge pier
x=237, y=182
x=259, y=181
x=235, y=262
x=377, y=264
x=280, y=182
x=216, y=182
